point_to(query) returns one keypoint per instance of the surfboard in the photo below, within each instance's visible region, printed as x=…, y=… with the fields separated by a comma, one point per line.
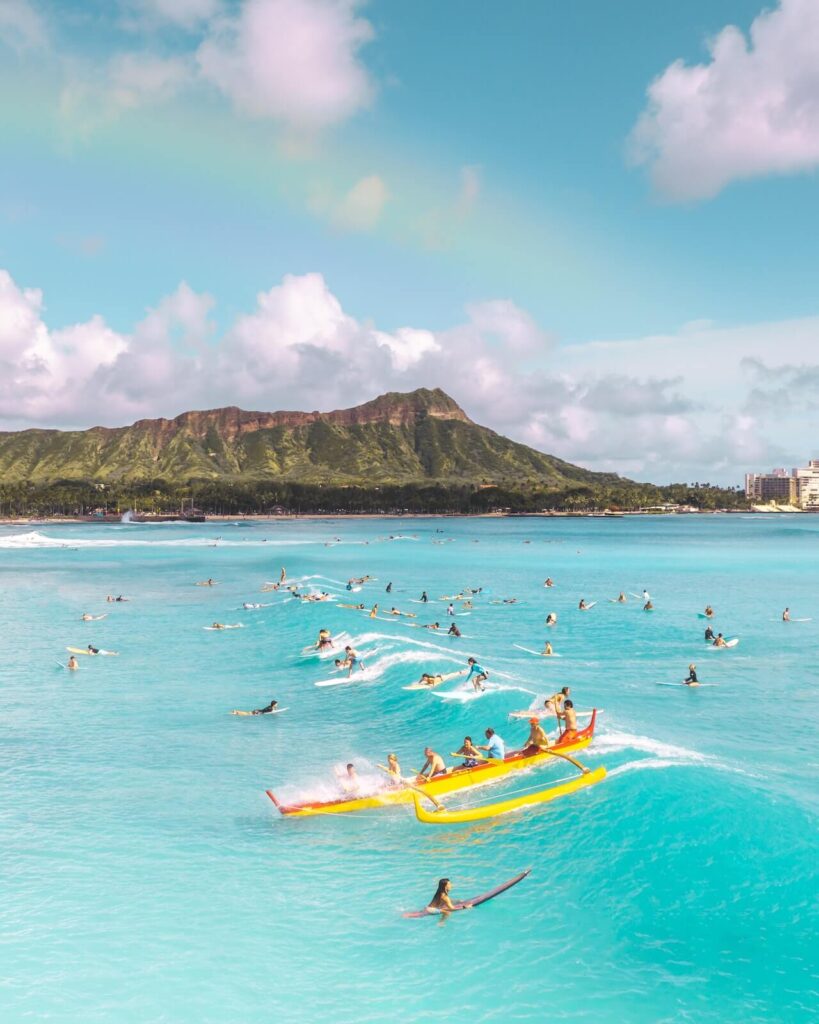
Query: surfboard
x=476, y=901
x=702, y=615
x=688, y=686
x=588, y=607
x=83, y=650
x=218, y=629
x=538, y=654
x=245, y=714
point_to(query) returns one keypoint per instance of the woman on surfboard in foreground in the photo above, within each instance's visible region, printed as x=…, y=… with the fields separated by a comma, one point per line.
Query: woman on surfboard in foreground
x=441, y=902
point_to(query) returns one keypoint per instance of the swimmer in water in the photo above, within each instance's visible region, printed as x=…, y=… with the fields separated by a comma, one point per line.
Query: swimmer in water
x=441, y=902
x=551, y=619
x=648, y=607
x=73, y=664
x=583, y=606
x=549, y=582
x=719, y=641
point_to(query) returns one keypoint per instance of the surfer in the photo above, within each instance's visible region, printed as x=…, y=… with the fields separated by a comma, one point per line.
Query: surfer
x=441, y=902
x=92, y=650
x=646, y=595
x=554, y=704
x=551, y=619
x=691, y=679
x=719, y=641
x=537, y=737
x=480, y=674
x=494, y=746
x=709, y=634
x=355, y=607
x=324, y=640
x=786, y=615
x=648, y=607
x=547, y=651
x=218, y=625
x=350, y=660
x=450, y=609
x=621, y=598
x=431, y=625
x=283, y=576
x=374, y=612
x=268, y=709
x=430, y=679
x=73, y=664
x=569, y=717
x=469, y=752
x=549, y=582
x=424, y=598
x=709, y=611
x=583, y=606
x=453, y=630
x=388, y=588
x=434, y=765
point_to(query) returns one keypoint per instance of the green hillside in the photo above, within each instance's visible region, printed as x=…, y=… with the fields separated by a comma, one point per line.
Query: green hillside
x=420, y=437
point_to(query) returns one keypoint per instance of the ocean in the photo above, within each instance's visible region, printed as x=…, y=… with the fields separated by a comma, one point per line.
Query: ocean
x=146, y=876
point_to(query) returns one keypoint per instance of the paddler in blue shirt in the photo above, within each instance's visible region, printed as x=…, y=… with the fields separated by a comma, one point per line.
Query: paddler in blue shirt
x=494, y=746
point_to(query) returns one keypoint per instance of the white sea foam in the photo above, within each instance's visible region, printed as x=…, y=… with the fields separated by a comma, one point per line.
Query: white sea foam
x=35, y=539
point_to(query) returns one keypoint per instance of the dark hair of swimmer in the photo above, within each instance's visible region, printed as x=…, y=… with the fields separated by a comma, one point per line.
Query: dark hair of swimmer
x=439, y=892
x=350, y=765
x=568, y=704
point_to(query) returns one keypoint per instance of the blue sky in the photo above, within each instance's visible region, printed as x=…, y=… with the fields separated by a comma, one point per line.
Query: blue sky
x=593, y=223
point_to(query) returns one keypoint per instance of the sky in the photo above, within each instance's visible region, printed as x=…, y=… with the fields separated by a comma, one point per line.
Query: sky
x=594, y=224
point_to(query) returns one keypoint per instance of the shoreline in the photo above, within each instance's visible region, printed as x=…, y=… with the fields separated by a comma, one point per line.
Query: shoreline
x=311, y=516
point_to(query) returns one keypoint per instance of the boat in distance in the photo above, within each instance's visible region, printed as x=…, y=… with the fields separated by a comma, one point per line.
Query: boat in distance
x=451, y=782
x=542, y=796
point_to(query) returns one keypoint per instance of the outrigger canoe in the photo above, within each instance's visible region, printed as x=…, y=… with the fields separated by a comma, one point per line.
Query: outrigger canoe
x=444, y=817
x=451, y=782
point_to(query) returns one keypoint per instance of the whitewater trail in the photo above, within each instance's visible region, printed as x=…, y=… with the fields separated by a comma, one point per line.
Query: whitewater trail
x=35, y=539
x=373, y=672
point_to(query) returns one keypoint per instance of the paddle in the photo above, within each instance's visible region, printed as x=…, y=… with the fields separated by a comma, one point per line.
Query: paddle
x=415, y=789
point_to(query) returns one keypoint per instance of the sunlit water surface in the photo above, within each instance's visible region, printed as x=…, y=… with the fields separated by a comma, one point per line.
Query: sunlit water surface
x=146, y=877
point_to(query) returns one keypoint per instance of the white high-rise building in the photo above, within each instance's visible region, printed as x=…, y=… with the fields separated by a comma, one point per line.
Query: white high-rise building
x=807, y=485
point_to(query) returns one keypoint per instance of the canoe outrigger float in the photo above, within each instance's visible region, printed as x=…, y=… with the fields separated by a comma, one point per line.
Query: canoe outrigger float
x=451, y=782
x=590, y=777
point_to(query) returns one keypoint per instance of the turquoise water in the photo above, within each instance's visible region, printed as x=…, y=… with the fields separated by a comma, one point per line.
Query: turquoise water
x=146, y=877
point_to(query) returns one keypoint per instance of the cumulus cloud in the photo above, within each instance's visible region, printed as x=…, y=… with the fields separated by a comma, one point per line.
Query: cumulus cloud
x=701, y=403
x=295, y=61
x=752, y=110
x=21, y=25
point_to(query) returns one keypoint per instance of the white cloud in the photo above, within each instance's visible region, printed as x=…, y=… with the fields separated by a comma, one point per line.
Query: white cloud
x=362, y=206
x=21, y=25
x=702, y=403
x=752, y=110
x=139, y=79
x=185, y=14
x=295, y=61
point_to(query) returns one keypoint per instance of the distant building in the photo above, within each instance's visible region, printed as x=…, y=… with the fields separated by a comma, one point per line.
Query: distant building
x=800, y=488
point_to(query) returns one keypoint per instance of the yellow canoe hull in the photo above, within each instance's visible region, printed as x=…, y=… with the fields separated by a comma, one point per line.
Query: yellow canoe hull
x=444, y=817
x=460, y=778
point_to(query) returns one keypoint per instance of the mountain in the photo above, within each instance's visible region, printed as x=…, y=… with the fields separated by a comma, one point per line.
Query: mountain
x=422, y=436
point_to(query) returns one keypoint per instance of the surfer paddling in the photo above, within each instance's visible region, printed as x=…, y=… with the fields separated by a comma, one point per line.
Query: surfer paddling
x=441, y=903
x=268, y=709
x=691, y=679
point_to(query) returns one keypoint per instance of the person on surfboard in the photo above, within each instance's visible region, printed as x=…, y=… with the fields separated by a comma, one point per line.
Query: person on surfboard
x=453, y=630
x=583, y=606
x=692, y=676
x=267, y=710
x=547, y=651
x=554, y=704
x=719, y=641
x=786, y=615
x=709, y=634
x=480, y=674
x=73, y=664
x=441, y=902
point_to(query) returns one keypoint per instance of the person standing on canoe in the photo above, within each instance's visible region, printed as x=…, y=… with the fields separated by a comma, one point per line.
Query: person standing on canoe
x=469, y=752
x=569, y=717
x=538, y=740
x=692, y=676
x=494, y=746
x=434, y=765
x=480, y=674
